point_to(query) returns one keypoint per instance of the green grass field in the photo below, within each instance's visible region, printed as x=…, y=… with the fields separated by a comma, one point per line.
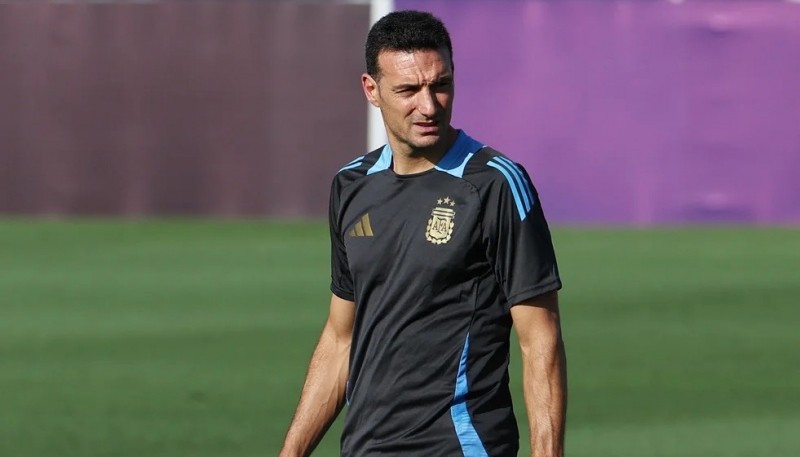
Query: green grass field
x=190, y=338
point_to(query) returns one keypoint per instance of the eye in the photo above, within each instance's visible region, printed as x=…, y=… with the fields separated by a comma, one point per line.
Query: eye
x=443, y=86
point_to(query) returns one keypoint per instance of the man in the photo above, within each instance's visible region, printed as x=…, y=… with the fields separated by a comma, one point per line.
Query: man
x=439, y=244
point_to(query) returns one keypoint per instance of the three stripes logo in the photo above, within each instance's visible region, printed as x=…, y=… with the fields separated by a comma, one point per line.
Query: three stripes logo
x=520, y=187
x=362, y=227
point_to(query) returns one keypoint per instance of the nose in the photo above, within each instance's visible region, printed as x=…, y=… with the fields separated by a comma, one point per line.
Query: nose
x=427, y=104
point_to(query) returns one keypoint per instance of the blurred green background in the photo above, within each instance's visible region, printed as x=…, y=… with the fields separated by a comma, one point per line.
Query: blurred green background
x=191, y=338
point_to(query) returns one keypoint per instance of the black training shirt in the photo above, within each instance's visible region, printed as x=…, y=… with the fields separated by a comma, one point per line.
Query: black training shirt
x=434, y=261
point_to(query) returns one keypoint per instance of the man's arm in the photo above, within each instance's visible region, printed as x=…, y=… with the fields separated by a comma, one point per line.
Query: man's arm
x=537, y=323
x=324, y=389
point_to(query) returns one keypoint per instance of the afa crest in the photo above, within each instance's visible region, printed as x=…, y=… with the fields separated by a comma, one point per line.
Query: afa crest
x=442, y=222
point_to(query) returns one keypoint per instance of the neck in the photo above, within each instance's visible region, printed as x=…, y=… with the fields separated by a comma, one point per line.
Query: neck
x=408, y=161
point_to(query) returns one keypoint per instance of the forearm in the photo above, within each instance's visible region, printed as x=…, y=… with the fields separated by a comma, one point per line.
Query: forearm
x=545, y=388
x=322, y=397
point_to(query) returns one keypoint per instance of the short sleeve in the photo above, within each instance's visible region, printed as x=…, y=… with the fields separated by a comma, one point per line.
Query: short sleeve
x=341, y=280
x=516, y=236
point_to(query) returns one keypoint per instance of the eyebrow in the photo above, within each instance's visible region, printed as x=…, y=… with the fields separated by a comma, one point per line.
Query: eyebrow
x=443, y=79
x=407, y=86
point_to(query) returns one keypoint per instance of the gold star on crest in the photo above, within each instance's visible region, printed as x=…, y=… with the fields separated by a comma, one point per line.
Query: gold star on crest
x=447, y=200
x=439, y=201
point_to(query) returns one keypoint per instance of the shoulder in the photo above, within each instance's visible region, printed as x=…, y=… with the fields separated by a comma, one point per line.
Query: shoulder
x=489, y=167
x=361, y=166
x=476, y=162
x=501, y=181
x=485, y=168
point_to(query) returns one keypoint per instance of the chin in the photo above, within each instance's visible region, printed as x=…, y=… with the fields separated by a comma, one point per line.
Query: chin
x=427, y=141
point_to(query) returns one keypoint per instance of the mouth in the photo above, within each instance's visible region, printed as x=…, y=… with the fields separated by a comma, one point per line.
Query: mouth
x=427, y=126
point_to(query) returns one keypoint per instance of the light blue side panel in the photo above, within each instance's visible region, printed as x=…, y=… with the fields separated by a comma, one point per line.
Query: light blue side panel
x=471, y=443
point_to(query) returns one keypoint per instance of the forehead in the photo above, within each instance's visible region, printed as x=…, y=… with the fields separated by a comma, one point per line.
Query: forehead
x=427, y=64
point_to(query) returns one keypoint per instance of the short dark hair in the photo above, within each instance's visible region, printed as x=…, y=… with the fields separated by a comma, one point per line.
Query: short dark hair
x=405, y=31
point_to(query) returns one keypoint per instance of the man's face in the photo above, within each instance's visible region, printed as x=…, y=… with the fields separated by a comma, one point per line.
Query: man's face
x=415, y=95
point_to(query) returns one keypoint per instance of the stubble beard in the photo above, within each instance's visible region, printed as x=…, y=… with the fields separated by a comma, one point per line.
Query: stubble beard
x=425, y=145
x=424, y=148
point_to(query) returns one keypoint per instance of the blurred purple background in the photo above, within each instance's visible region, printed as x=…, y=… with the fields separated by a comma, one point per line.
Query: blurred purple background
x=637, y=112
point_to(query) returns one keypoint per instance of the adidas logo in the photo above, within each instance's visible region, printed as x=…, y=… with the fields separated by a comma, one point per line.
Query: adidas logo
x=362, y=227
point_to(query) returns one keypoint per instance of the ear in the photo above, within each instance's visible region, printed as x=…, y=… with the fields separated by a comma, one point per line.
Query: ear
x=370, y=87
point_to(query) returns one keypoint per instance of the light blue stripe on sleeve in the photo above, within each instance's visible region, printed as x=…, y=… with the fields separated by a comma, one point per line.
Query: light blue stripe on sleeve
x=352, y=165
x=514, y=190
x=523, y=182
x=471, y=444
x=355, y=160
x=518, y=179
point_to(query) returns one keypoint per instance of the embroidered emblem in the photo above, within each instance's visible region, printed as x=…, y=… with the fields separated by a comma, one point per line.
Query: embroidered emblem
x=442, y=222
